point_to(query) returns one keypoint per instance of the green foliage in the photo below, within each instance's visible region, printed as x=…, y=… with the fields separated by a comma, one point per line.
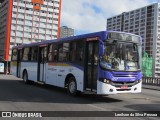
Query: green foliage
x=146, y=65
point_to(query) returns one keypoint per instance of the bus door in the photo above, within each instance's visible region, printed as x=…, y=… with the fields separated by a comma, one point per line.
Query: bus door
x=19, y=57
x=42, y=60
x=91, y=65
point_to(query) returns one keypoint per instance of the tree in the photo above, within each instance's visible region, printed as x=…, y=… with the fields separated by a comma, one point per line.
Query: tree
x=146, y=65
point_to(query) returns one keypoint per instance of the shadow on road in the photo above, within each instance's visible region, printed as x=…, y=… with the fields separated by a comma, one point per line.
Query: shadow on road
x=17, y=91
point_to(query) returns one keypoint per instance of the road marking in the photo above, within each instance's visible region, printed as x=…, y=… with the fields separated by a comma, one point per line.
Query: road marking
x=97, y=107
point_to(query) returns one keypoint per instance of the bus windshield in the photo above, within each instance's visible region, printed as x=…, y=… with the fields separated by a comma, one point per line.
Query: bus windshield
x=120, y=56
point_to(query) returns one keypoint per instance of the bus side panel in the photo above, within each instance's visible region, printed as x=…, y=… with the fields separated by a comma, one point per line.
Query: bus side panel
x=31, y=68
x=57, y=74
x=13, y=68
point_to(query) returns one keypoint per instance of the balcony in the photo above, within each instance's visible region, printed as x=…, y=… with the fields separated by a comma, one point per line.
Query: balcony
x=27, y=35
x=21, y=4
x=20, y=22
x=43, y=20
x=28, y=18
x=38, y=1
x=56, y=5
x=49, y=26
x=29, y=6
x=36, y=7
x=50, y=15
x=13, y=27
x=43, y=8
x=14, y=15
x=13, y=21
x=15, y=3
x=15, y=9
x=12, y=33
x=49, y=9
x=49, y=21
x=21, y=16
x=43, y=14
x=56, y=10
x=55, y=16
x=57, y=0
x=29, y=12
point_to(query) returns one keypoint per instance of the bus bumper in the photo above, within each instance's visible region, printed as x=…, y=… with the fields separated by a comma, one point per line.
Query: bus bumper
x=103, y=88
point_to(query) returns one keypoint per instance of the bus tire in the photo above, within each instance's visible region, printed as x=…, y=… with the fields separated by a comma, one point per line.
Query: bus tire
x=25, y=77
x=72, y=86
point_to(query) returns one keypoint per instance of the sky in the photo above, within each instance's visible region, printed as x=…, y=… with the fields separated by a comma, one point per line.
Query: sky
x=86, y=16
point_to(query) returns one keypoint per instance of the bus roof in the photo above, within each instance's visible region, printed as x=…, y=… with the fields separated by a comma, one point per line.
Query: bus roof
x=89, y=35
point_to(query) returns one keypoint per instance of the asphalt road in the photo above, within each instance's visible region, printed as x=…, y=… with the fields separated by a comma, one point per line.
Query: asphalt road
x=17, y=96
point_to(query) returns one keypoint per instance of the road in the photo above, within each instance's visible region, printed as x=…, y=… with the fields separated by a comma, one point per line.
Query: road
x=17, y=96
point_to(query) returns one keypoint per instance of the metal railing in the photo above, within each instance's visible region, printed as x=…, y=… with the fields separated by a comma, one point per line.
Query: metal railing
x=151, y=81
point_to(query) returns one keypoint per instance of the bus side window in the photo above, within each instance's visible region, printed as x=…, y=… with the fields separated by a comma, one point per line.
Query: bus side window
x=14, y=54
x=21, y=54
x=45, y=54
x=63, y=52
x=26, y=54
x=76, y=52
x=55, y=51
x=72, y=51
x=50, y=53
x=34, y=53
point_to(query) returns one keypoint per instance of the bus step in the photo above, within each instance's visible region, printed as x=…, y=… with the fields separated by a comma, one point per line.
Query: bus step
x=40, y=82
x=88, y=91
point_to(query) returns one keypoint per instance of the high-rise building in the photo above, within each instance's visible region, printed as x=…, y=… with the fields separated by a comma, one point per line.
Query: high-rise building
x=66, y=32
x=27, y=21
x=145, y=22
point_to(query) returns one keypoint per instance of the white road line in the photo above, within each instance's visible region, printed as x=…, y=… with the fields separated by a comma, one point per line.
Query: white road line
x=100, y=108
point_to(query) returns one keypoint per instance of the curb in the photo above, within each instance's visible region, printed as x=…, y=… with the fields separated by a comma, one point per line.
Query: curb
x=151, y=87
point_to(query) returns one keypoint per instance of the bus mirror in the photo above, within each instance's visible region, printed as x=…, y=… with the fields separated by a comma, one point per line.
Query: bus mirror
x=101, y=50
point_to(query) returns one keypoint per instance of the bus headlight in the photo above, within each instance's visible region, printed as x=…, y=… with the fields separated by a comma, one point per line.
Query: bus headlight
x=138, y=81
x=104, y=80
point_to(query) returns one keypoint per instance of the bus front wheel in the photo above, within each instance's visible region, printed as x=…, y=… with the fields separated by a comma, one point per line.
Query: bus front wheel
x=72, y=86
x=25, y=77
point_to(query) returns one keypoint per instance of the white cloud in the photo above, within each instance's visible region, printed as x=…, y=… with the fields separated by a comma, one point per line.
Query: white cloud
x=91, y=15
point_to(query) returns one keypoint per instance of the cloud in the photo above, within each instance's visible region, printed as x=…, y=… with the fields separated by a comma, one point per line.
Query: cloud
x=90, y=15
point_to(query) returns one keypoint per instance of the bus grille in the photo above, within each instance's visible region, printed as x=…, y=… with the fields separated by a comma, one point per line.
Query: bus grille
x=118, y=84
x=125, y=75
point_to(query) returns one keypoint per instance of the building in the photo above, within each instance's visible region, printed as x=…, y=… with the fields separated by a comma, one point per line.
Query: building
x=27, y=21
x=145, y=22
x=66, y=32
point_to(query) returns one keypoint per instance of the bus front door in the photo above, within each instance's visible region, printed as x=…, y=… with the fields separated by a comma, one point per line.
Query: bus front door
x=91, y=65
x=19, y=57
x=42, y=59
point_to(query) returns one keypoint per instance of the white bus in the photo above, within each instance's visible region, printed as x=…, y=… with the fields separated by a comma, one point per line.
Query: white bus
x=105, y=62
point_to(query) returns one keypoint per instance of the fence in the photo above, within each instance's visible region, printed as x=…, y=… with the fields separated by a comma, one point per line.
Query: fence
x=151, y=81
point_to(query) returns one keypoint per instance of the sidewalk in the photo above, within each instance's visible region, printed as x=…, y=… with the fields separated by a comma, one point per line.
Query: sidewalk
x=151, y=87
x=8, y=77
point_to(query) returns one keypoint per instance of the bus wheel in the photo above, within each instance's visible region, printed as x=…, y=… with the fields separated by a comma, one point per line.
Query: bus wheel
x=25, y=77
x=72, y=86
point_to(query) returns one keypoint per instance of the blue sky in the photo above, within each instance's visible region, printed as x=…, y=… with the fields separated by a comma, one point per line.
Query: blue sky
x=86, y=16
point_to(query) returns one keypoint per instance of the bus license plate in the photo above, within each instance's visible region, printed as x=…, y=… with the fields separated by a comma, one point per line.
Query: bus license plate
x=124, y=87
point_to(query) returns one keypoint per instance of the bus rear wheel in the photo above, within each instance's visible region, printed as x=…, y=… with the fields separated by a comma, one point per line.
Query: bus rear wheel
x=72, y=86
x=25, y=77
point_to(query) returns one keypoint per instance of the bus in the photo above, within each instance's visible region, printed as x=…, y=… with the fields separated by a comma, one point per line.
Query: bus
x=103, y=63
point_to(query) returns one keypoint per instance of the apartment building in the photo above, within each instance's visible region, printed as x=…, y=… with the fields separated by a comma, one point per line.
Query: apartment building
x=27, y=21
x=66, y=32
x=145, y=22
